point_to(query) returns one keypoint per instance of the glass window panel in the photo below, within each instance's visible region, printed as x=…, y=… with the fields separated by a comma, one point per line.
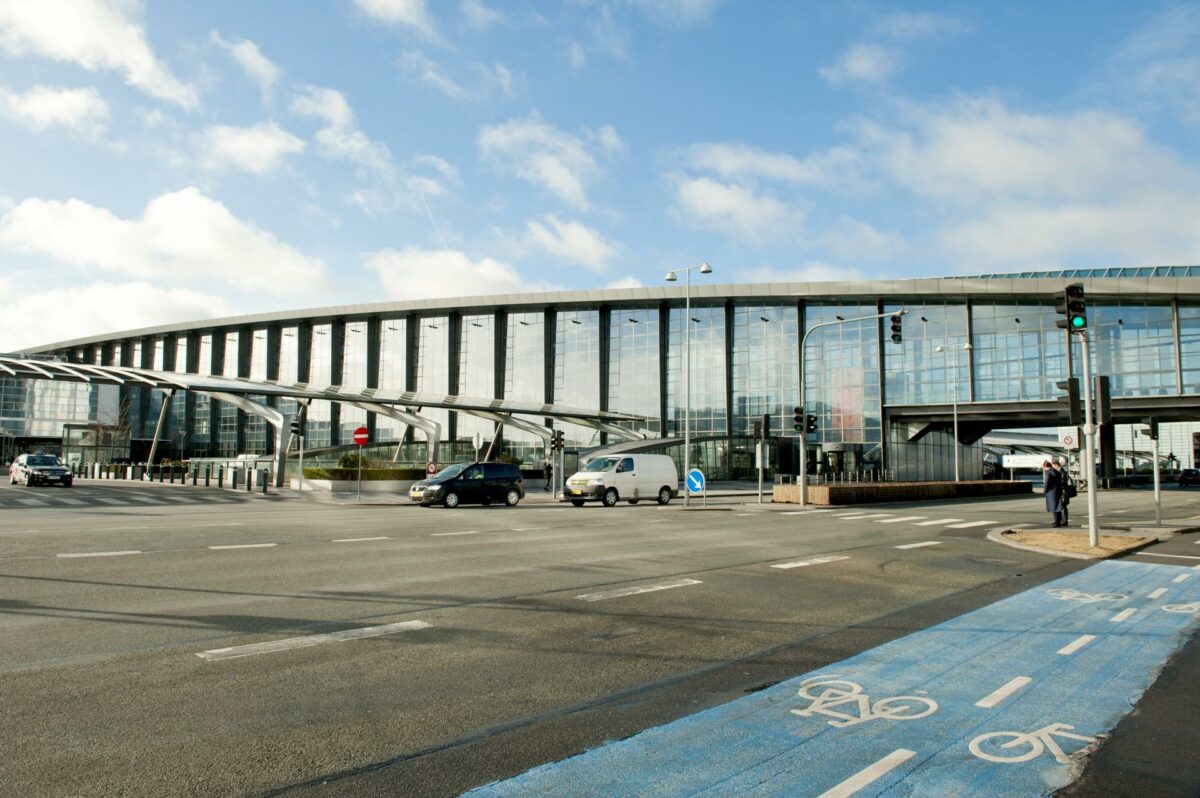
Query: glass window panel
x=708, y=410
x=766, y=372
x=477, y=372
x=633, y=374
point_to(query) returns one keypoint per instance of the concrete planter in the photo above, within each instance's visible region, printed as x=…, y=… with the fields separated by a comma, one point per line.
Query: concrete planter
x=869, y=492
x=393, y=486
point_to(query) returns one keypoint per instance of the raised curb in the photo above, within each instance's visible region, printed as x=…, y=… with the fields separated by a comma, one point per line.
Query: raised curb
x=996, y=535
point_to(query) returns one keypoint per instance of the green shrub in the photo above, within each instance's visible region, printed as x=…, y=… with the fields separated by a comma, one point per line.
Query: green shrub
x=368, y=474
x=352, y=460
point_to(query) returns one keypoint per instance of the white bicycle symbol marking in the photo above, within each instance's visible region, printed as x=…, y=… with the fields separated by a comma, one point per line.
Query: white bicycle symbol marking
x=1067, y=594
x=1193, y=607
x=826, y=692
x=1037, y=742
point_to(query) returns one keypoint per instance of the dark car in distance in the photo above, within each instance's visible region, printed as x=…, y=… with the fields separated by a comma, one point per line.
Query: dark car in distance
x=471, y=483
x=1189, y=476
x=39, y=469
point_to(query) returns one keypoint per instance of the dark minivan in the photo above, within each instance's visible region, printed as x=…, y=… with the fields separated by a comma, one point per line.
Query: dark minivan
x=471, y=483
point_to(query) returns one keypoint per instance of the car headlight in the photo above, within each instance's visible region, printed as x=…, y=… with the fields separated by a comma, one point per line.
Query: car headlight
x=594, y=482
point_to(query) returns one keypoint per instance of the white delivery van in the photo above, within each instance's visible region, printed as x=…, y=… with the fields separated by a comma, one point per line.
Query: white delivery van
x=628, y=477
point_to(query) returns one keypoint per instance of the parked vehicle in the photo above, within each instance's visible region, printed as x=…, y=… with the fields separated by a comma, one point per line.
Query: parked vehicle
x=1189, y=476
x=39, y=469
x=631, y=478
x=471, y=483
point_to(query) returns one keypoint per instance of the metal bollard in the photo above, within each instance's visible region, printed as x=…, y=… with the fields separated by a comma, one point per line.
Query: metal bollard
x=249, y=480
x=263, y=475
x=221, y=476
x=207, y=473
x=195, y=475
x=172, y=475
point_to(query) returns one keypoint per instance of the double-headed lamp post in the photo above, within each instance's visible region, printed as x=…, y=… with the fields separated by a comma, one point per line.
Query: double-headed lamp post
x=954, y=399
x=687, y=370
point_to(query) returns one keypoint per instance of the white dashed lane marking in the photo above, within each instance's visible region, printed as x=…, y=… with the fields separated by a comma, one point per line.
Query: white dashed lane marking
x=1001, y=693
x=312, y=640
x=900, y=519
x=869, y=774
x=448, y=534
x=1122, y=615
x=920, y=545
x=98, y=554
x=359, y=540
x=32, y=502
x=1076, y=644
x=813, y=561
x=937, y=521
x=1157, y=593
x=970, y=524
x=634, y=591
x=1181, y=577
x=246, y=546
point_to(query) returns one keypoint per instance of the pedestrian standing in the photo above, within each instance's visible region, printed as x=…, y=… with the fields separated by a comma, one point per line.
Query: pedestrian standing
x=1052, y=487
x=1066, y=490
x=549, y=465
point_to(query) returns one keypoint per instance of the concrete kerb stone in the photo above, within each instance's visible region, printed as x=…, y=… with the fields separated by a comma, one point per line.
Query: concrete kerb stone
x=997, y=535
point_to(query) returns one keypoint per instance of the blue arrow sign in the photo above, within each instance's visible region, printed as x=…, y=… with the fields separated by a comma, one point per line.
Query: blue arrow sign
x=695, y=480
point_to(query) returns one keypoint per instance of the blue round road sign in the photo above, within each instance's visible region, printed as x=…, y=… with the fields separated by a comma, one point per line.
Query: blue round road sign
x=695, y=481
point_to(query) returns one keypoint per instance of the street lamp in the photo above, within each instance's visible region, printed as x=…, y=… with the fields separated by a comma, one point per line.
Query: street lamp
x=687, y=369
x=954, y=398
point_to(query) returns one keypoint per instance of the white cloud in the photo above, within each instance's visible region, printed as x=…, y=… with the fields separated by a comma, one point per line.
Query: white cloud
x=34, y=318
x=543, y=155
x=1020, y=189
x=628, y=281
x=811, y=272
x=256, y=65
x=95, y=34
x=911, y=25
x=1158, y=67
x=440, y=165
x=730, y=160
x=411, y=14
x=677, y=12
x=571, y=240
x=258, y=149
x=183, y=235
x=734, y=210
x=82, y=111
x=340, y=137
x=862, y=63
x=576, y=55
x=478, y=15
x=483, y=81
x=415, y=273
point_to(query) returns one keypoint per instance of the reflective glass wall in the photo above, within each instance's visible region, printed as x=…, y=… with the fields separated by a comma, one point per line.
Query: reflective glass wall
x=1189, y=347
x=1019, y=351
x=1134, y=343
x=393, y=374
x=477, y=372
x=354, y=378
x=633, y=365
x=577, y=368
x=841, y=364
x=916, y=372
x=766, y=366
x=433, y=374
x=317, y=429
x=525, y=368
x=709, y=414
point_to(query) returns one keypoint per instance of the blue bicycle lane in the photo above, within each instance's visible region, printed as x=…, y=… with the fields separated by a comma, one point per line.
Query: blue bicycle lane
x=993, y=702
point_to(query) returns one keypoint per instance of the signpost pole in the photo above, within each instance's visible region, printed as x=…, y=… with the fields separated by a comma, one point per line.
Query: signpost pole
x=1157, y=483
x=301, y=437
x=1089, y=452
x=360, y=476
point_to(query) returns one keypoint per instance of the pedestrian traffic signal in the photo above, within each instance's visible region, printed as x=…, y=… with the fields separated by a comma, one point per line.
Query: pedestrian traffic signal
x=798, y=418
x=897, y=332
x=1074, y=408
x=810, y=424
x=1073, y=308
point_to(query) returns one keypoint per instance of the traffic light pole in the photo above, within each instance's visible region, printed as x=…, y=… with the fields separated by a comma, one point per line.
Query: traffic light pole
x=804, y=432
x=1089, y=451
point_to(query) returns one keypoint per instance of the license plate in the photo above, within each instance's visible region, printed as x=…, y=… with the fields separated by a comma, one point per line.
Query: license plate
x=575, y=492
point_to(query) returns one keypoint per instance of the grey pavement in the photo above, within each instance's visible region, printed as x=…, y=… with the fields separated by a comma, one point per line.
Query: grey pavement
x=215, y=646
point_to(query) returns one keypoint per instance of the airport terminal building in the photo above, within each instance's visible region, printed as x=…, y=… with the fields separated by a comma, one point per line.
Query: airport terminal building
x=976, y=354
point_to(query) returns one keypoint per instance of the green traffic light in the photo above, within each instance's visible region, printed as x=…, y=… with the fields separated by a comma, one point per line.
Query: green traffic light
x=1078, y=321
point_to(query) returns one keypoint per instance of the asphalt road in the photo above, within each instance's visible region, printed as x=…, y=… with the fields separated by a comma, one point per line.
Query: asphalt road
x=530, y=634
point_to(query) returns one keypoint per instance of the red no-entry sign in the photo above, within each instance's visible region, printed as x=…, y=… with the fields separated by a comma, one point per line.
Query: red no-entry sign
x=360, y=436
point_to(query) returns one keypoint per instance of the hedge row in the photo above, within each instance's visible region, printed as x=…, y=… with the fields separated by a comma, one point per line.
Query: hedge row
x=368, y=474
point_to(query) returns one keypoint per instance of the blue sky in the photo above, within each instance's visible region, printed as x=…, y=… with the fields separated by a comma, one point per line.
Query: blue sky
x=171, y=161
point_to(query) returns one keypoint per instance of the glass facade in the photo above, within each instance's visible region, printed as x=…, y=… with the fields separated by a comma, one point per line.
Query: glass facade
x=476, y=372
x=615, y=354
x=708, y=411
x=354, y=377
x=1019, y=352
x=766, y=366
x=915, y=372
x=393, y=373
x=841, y=384
x=633, y=366
x=577, y=368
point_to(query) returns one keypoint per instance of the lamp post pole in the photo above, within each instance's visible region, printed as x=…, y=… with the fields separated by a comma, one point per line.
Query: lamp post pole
x=687, y=369
x=803, y=433
x=954, y=401
x=761, y=443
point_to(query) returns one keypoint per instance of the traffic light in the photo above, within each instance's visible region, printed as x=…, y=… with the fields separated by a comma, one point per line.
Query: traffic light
x=798, y=418
x=810, y=424
x=1152, y=429
x=1103, y=405
x=1074, y=408
x=556, y=440
x=897, y=332
x=297, y=427
x=1073, y=308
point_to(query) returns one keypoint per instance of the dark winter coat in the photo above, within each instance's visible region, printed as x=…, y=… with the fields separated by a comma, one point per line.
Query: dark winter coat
x=1054, y=490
